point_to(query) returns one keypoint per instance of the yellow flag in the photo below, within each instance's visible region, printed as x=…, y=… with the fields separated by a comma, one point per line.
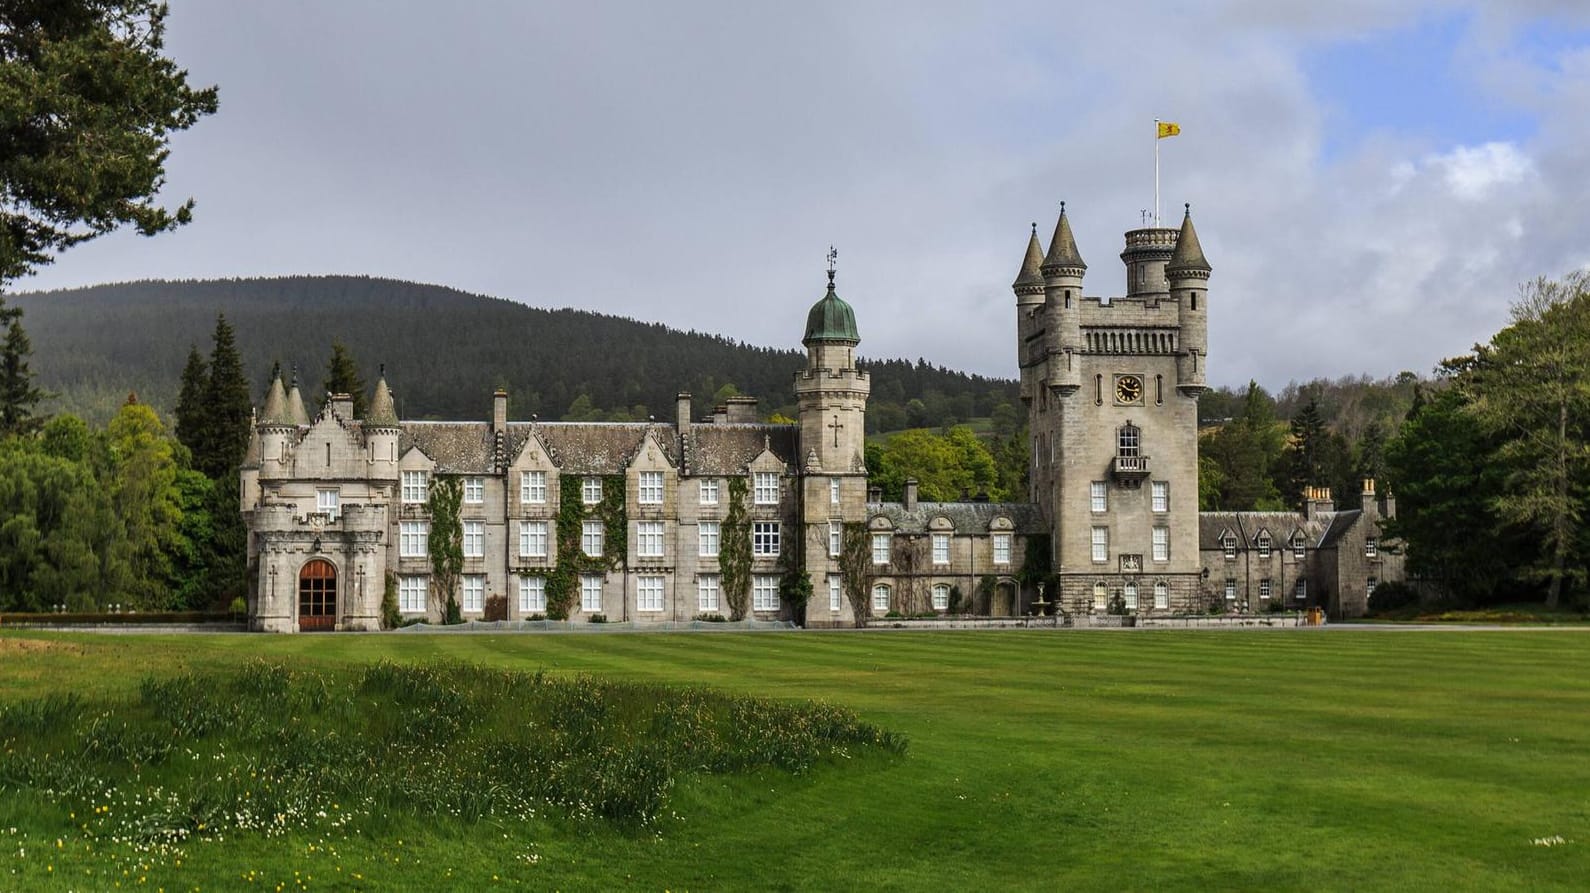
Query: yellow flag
x=1167, y=128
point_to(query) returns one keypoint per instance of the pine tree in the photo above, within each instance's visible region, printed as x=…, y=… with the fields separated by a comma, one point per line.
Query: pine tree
x=190, y=402
x=226, y=408
x=18, y=395
x=342, y=377
x=1305, y=459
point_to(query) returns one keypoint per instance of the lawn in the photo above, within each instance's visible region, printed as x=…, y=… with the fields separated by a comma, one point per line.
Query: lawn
x=1345, y=759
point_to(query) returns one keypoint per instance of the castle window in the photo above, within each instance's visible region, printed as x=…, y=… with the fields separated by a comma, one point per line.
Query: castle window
x=474, y=593
x=1159, y=389
x=1128, y=441
x=474, y=490
x=1161, y=596
x=1298, y=546
x=1371, y=548
x=1161, y=544
x=532, y=594
x=1263, y=542
x=765, y=488
x=1098, y=497
x=411, y=595
x=707, y=534
x=764, y=592
x=880, y=548
x=1101, y=596
x=709, y=491
x=1001, y=548
x=414, y=539
x=591, y=593
x=1264, y=588
x=651, y=488
x=833, y=491
x=649, y=539
x=591, y=490
x=329, y=502
x=836, y=533
x=591, y=538
x=1194, y=300
x=941, y=596
x=1101, y=544
x=474, y=539
x=416, y=484
x=1369, y=586
x=533, y=487
x=941, y=548
x=1231, y=589
x=880, y=597
x=1300, y=591
x=1098, y=390
x=1228, y=544
x=707, y=592
x=835, y=593
x=532, y=539
x=1068, y=299
x=1159, y=496
x=649, y=593
x=1129, y=596
x=764, y=539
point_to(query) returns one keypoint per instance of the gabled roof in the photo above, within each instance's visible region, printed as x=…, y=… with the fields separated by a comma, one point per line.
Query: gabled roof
x=1340, y=523
x=455, y=447
x=728, y=449
x=1246, y=526
x=967, y=517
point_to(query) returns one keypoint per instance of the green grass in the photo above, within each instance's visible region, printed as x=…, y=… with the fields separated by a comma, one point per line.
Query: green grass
x=1335, y=759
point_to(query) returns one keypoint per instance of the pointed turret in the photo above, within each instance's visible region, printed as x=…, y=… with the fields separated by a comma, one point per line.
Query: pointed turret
x=1031, y=275
x=1188, y=258
x=275, y=412
x=296, y=413
x=1063, y=254
x=383, y=413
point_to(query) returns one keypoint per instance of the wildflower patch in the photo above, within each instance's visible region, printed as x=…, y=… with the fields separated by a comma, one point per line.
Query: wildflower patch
x=267, y=749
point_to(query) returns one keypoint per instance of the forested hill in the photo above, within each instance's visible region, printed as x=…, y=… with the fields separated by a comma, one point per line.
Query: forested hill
x=444, y=350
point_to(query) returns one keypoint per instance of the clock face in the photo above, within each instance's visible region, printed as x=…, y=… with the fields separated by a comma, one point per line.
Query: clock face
x=1128, y=389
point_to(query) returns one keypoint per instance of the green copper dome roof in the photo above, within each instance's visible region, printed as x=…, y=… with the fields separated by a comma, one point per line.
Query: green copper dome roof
x=831, y=320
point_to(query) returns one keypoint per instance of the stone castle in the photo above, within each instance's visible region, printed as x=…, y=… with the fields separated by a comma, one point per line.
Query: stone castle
x=721, y=515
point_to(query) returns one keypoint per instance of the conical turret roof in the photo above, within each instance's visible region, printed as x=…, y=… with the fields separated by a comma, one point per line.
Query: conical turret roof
x=1032, y=265
x=296, y=414
x=831, y=319
x=275, y=412
x=382, y=414
x=1189, y=255
x=1063, y=247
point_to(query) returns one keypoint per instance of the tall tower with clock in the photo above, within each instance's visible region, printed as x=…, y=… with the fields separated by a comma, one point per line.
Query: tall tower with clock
x=1111, y=388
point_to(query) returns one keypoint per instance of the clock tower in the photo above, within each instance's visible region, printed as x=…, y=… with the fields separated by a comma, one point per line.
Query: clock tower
x=1111, y=387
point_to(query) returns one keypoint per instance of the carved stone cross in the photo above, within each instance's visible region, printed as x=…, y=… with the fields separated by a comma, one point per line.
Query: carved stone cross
x=835, y=427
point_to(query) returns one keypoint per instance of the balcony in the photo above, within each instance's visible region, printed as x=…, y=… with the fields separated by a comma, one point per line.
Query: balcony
x=1129, y=470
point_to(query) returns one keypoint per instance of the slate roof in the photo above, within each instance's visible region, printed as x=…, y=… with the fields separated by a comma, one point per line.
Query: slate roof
x=1063, y=246
x=727, y=449
x=1340, y=523
x=967, y=517
x=1032, y=264
x=594, y=447
x=1246, y=525
x=1189, y=255
x=455, y=447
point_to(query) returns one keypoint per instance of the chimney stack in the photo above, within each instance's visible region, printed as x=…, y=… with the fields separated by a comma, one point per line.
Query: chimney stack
x=910, y=494
x=499, y=411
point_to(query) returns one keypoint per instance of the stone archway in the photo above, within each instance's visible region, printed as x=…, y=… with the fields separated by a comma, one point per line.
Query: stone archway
x=317, y=596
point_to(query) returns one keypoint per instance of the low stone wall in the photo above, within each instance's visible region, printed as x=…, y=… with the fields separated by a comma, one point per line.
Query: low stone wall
x=966, y=623
x=1224, y=621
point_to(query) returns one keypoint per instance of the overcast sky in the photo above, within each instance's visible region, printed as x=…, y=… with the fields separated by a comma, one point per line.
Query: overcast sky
x=1371, y=180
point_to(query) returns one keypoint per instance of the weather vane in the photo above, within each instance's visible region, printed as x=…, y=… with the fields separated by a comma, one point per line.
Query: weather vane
x=1144, y=214
x=833, y=258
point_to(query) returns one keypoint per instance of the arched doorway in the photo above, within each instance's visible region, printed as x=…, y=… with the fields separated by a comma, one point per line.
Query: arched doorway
x=317, y=596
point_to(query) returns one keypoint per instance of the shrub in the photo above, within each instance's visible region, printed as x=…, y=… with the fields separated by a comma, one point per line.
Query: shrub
x=239, y=607
x=1391, y=595
x=597, y=618
x=712, y=618
x=496, y=608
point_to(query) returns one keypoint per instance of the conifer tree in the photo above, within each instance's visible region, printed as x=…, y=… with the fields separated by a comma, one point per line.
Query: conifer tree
x=18, y=395
x=190, y=413
x=226, y=408
x=342, y=377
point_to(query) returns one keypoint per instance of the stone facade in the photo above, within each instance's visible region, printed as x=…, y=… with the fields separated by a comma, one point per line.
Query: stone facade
x=336, y=506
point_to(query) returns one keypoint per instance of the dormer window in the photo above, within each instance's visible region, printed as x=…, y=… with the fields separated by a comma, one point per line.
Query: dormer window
x=1264, y=544
x=1228, y=544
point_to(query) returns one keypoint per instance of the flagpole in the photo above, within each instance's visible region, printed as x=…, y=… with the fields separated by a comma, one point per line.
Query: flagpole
x=1156, y=172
